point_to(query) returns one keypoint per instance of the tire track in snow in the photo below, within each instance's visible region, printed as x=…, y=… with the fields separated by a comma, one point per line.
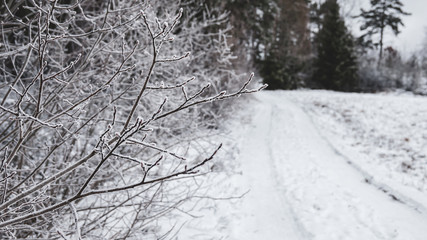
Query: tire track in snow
x=370, y=179
x=264, y=214
x=303, y=232
x=312, y=175
x=325, y=195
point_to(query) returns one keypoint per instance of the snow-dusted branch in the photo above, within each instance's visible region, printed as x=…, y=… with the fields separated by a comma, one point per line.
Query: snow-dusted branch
x=98, y=103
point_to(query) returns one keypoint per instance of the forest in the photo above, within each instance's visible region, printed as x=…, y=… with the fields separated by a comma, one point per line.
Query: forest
x=104, y=104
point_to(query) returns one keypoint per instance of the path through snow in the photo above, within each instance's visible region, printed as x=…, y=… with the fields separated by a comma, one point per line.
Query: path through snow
x=302, y=188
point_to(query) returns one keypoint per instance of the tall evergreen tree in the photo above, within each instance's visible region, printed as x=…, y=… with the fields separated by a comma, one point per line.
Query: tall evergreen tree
x=288, y=45
x=383, y=14
x=335, y=66
x=279, y=68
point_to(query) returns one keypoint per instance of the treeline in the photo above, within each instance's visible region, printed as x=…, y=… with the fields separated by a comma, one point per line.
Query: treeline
x=301, y=43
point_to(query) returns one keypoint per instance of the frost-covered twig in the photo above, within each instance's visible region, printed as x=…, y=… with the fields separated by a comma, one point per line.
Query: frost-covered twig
x=86, y=106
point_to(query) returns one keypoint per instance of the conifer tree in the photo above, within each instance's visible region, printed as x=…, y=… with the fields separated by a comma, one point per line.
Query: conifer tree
x=279, y=69
x=383, y=14
x=287, y=46
x=335, y=66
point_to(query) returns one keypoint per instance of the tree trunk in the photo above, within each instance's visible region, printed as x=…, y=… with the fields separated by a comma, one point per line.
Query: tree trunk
x=382, y=34
x=381, y=46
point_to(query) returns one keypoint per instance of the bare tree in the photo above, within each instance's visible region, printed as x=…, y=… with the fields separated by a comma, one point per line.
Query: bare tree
x=99, y=102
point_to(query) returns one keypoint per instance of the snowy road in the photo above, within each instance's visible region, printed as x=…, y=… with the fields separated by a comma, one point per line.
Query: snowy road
x=301, y=187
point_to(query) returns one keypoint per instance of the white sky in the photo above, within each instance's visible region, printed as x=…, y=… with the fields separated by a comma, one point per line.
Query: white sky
x=415, y=30
x=412, y=35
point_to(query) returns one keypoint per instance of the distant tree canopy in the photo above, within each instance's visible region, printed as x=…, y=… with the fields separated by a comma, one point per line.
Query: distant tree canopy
x=288, y=45
x=383, y=14
x=300, y=43
x=335, y=65
x=272, y=35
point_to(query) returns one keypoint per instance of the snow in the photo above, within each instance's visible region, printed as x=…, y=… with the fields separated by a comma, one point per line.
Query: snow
x=385, y=133
x=324, y=165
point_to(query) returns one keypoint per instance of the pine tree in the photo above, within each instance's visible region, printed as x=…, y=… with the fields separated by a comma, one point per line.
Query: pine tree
x=383, y=14
x=280, y=69
x=287, y=46
x=335, y=66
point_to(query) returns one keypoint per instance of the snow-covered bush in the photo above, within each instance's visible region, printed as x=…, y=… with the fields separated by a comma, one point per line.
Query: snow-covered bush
x=393, y=73
x=99, y=101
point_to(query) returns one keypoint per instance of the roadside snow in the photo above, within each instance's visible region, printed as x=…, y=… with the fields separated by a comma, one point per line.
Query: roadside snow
x=385, y=136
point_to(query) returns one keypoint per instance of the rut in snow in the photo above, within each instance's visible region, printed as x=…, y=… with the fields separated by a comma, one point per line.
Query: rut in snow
x=302, y=189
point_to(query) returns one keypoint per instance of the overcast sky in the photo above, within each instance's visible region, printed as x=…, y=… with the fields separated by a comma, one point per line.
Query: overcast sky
x=412, y=35
x=415, y=30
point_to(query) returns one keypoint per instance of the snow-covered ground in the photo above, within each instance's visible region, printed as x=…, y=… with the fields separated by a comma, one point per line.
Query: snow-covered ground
x=325, y=165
